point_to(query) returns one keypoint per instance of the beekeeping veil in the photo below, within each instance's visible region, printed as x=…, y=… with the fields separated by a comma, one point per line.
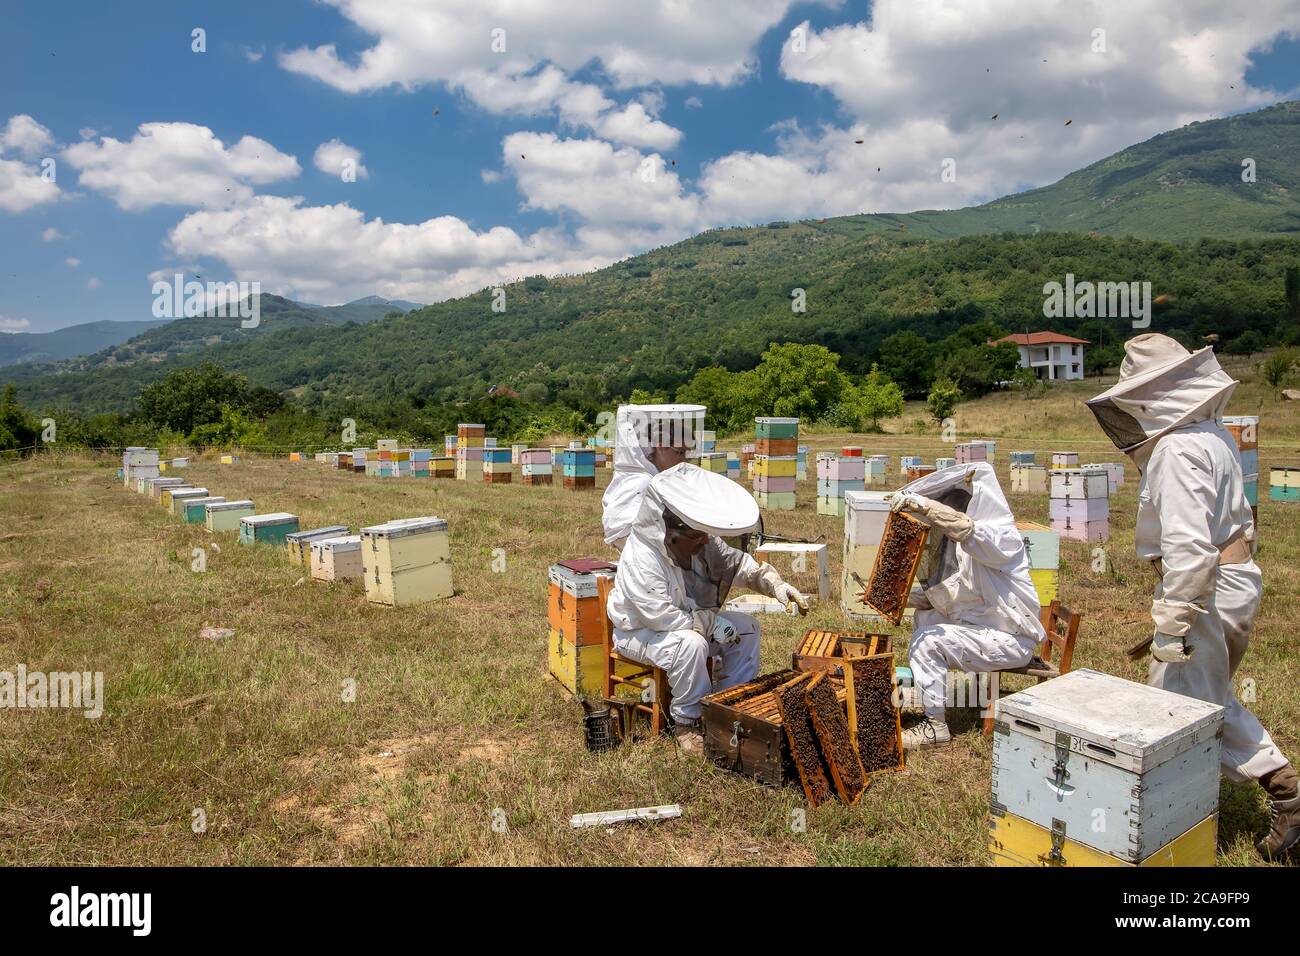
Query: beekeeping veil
x=639, y=429
x=1161, y=386
x=686, y=498
x=983, y=580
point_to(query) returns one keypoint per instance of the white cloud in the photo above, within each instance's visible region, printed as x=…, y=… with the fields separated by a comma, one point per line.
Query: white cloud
x=73, y=261
x=52, y=235
x=14, y=325
x=93, y=283
x=252, y=55
x=87, y=132
x=336, y=156
x=694, y=103
x=490, y=176
x=26, y=137
x=178, y=164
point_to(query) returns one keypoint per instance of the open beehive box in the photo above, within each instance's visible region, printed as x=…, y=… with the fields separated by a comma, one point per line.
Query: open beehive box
x=894, y=570
x=826, y=650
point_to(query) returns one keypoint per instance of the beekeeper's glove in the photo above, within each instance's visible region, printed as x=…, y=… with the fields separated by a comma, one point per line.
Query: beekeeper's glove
x=951, y=523
x=909, y=501
x=775, y=587
x=704, y=621
x=1170, y=649
x=724, y=632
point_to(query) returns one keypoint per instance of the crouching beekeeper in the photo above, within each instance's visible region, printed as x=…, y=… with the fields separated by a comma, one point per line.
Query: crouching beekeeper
x=673, y=577
x=1194, y=526
x=976, y=608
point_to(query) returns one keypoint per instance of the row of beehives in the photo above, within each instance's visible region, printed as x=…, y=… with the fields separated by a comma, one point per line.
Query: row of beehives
x=406, y=561
x=141, y=462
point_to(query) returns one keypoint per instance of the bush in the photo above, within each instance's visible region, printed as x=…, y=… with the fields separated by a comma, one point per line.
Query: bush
x=943, y=398
x=1278, y=366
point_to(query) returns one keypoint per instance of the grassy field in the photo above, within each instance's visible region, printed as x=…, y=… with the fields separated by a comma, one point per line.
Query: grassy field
x=454, y=716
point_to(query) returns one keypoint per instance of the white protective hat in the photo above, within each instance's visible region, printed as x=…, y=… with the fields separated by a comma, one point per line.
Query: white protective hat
x=1161, y=386
x=706, y=501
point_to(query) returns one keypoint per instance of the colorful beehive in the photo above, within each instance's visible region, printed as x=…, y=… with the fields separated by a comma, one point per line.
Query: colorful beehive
x=165, y=494
x=573, y=606
x=1080, y=504
x=971, y=451
x=733, y=466
x=469, y=461
x=1022, y=458
x=230, y=459
x=407, y=561
x=298, y=543
x=442, y=467
x=155, y=486
x=176, y=498
x=295, y=456
x=854, y=451
x=877, y=466
x=1284, y=483
x=470, y=435
x=449, y=445
x=1088, y=747
x=835, y=477
x=139, y=463
x=714, y=461
x=1245, y=434
x=1114, y=472
x=920, y=471
x=271, y=528
x=1065, y=459
x=387, y=444
x=774, y=481
x=908, y=461
x=489, y=442
x=337, y=558
x=420, y=458
x=865, y=514
x=801, y=463
x=497, y=469
x=746, y=457
x=359, y=458
x=579, y=468
x=990, y=448
x=1029, y=479
x=226, y=515
x=1043, y=547
x=707, y=440
x=941, y=463
x=535, y=466
x=514, y=453
x=195, y=510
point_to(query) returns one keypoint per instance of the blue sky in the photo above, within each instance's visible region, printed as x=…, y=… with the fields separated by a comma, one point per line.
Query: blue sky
x=602, y=129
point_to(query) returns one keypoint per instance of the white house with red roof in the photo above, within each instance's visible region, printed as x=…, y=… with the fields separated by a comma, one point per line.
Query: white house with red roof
x=1051, y=355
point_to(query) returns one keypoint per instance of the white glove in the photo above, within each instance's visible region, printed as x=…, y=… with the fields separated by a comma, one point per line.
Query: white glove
x=953, y=524
x=917, y=600
x=1170, y=649
x=723, y=632
x=910, y=501
x=788, y=594
x=704, y=621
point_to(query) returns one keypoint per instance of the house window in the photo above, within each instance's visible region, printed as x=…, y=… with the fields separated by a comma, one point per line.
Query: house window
x=1075, y=368
x=1074, y=351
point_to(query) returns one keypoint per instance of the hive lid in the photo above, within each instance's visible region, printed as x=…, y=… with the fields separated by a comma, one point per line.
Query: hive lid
x=329, y=532
x=230, y=505
x=406, y=526
x=187, y=493
x=587, y=565
x=344, y=542
x=866, y=500
x=210, y=500
x=270, y=518
x=1111, y=719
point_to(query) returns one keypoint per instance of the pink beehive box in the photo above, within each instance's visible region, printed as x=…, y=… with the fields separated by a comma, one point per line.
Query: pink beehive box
x=841, y=469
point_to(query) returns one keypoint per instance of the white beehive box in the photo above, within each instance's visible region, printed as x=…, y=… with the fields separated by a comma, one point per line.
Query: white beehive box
x=1080, y=483
x=1121, y=767
x=407, y=561
x=337, y=559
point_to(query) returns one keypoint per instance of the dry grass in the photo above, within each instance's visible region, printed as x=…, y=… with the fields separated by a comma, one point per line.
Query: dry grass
x=454, y=715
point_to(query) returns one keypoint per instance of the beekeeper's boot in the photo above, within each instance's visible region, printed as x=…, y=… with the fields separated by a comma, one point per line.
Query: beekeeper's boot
x=1283, y=786
x=689, y=737
x=930, y=732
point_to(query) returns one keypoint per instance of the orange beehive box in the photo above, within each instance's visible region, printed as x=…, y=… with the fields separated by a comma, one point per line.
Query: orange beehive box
x=573, y=605
x=776, y=447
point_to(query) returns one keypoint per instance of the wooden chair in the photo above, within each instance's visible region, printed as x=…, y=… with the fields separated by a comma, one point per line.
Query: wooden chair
x=657, y=708
x=1062, y=627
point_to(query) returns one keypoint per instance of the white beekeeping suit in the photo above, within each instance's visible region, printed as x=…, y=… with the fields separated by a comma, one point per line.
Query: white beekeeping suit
x=978, y=610
x=1194, y=520
x=670, y=615
x=639, y=431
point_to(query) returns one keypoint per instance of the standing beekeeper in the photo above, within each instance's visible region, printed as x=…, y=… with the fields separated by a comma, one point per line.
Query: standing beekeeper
x=976, y=610
x=673, y=577
x=1194, y=525
x=648, y=439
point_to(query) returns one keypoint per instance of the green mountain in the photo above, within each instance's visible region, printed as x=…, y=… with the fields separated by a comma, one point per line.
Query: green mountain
x=1173, y=211
x=68, y=342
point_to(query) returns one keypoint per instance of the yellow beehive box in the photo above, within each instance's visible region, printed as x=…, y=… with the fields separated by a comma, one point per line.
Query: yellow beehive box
x=407, y=561
x=1015, y=841
x=775, y=467
x=581, y=667
x=1047, y=583
x=298, y=543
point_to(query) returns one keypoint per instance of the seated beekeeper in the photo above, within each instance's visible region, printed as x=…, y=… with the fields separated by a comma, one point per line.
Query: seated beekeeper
x=976, y=607
x=648, y=439
x=1195, y=527
x=673, y=577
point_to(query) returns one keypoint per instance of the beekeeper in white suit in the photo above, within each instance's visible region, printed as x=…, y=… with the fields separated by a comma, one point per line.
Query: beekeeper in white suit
x=1195, y=527
x=648, y=439
x=673, y=577
x=976, y=610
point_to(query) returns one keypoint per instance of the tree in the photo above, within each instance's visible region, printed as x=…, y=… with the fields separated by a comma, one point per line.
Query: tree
x=234, y=429
x=17, y=428
x=880, y=397
x=1278, y=366
x=1292, y=290
x=943, y=398
x=1247, y=343
x=196, y=396
x=908, y=360
x=799, y=381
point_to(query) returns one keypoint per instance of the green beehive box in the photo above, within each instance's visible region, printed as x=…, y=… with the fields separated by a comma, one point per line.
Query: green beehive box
x=195, y=511
x=271, y=528
x=776, y=428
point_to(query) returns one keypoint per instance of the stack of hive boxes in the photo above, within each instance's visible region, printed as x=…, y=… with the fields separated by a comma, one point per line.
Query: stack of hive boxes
x=496, y=466
x=359, y=456
x=1043, y=546
x=535, y=466
x=1284, y=483
x=877, y=466
x=575, y=646
x=1141, y=754
x=407, y=561
x=865, y=514
x=990, y=447
x=714, y=461
x=970, y=451
x=708, y=441
x=442, y=467
x=1245, y=433
x=1080, y=504
x=920, y=471
x=1114, y=473
x=801, y=463
x=733, y=466
x=1065, y=459
x=776, y=462
x=344, y=461
x=941, y=463
x=579, y=468
x=470, y=441
x=420, y=459
x=137, y=463
x=747, y=461
x=835, y=476
x=1029, y=479
x=907, y=461
x=394, y=463
x=271, y=528
x=449, y=446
